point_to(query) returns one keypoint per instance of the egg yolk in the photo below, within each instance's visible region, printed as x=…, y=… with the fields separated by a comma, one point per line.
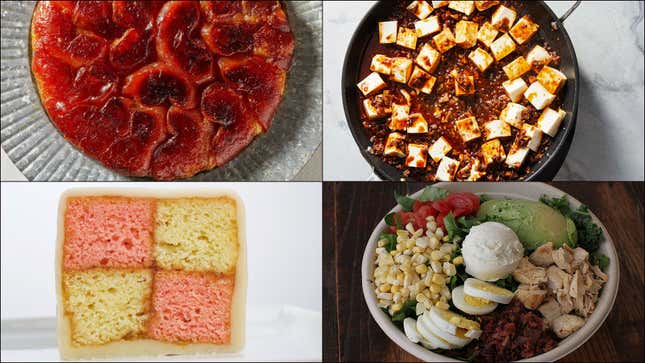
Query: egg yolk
x=475, y=301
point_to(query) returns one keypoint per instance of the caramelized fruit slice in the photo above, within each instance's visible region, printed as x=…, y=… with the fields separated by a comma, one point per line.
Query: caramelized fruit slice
x=223, y=106
x=132, y=50
x=259, y=82
x=178, y=43
x=52, y=27
x=135, y=14
x=156, y=84
x=185, y=152
x=133, y=153
x=274, y=45
x=95, y=16
x=260, y=9
x=213, y=9
x=228, y=38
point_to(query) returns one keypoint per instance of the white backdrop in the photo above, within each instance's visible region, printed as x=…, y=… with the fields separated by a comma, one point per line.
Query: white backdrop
x=284, y=238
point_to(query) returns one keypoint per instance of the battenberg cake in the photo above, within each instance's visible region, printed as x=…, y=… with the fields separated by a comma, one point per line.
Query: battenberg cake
x=140, y=273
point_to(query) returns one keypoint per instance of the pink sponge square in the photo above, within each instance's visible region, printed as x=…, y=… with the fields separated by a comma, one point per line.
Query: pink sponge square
x=108, y=232
x=191, y=307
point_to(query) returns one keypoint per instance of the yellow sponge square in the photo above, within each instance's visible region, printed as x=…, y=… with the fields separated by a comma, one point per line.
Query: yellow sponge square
x=197, y=234
x=105, y=305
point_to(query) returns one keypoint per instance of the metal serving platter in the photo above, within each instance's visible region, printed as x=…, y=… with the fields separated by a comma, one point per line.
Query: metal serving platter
x=41, y=153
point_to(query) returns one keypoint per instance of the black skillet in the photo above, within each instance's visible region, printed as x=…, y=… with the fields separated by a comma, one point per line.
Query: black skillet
x=551, y=30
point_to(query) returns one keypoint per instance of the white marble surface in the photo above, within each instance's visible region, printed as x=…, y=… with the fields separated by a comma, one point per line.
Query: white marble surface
x=608, y=142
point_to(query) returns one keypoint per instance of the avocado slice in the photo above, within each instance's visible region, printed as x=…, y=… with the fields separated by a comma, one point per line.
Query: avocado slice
x=534, y=223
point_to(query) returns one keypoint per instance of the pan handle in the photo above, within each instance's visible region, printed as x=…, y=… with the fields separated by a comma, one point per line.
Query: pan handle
x=554, y=24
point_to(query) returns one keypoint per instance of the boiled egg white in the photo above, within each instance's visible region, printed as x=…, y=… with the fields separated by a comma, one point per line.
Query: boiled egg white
x=484, y=290
x=450, y=321
x=410, y=329
x=431, y=338
x=470, y=304
x=458, y=340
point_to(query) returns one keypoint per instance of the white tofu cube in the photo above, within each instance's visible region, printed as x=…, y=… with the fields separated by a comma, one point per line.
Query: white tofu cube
x=420, y=9
x=401, y=69
x=552, y=79
x=399, y=118
x=439, y=4
x=464, y=83
x=493, y=152
x=377, y=107
x=502, y=47
x=532, y=136
x=421, y=80
x=381, y=64
x=497, y=129
x=538, y=57
x=538, y=96
x=445, y=40
x=466, y=34
x=503, y=18
x=549, y=121
x=427, y=26
x=428, y=58
x=439, y=149
x=395, y=145
x=468, y=128
x=387, y=31
x=416, y=156
x=523, y=30
x=407, y=38
x=487, y=34
x=484, y=5
x=516, y=155
x=481, y=59
x=417, y=124
x=466, y=7
x=512, y=114
x=447, y=169
x=516, y=68
x=372, y=83
x=515, y=88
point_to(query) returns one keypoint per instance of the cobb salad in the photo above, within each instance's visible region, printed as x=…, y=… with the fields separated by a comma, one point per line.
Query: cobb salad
x=482, y=279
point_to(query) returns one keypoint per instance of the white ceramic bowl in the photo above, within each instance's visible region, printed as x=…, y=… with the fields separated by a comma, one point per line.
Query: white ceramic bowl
x=527, y=191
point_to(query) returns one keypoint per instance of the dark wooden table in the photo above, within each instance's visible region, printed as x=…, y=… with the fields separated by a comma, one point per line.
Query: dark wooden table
x=350, y=212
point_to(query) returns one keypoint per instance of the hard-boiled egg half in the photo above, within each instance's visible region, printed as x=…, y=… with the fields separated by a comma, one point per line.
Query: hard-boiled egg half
x=470, y=304
x=484, y=290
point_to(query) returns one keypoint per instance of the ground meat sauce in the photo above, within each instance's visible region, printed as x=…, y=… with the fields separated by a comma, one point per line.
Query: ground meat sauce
x=442, y=107
x=512, y=333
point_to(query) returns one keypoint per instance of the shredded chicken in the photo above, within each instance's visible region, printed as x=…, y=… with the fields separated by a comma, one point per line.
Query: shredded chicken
x=566, y=324
x=563, y=286
x=530, y=295
x=528, y=273
x=542, y=255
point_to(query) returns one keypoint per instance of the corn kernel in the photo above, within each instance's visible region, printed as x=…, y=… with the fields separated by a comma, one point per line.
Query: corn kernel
x=446, y=258
x=436, y=266
x=381, y=243
x=442, y=305
x=439, y=279
x=395, y=289
x=405, y=292
x=409, y=227
x=436, y=255
x=434, y=296
x=449, y=269
x=458, y=260
x=399, y=247
x=434, y=242
x=426, y=292
x=421, y=269
x=396, y=307
x=432, y=226
x=446, y=239
x=439, y=233
x=435, y=288
x=385, y=287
